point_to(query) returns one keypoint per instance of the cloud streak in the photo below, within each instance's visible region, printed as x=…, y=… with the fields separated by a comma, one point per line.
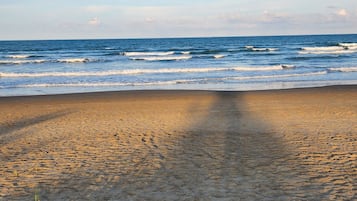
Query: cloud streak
x=342, y=12
x=94, y=21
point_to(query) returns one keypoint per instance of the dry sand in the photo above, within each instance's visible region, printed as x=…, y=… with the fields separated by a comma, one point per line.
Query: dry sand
x=181, y=145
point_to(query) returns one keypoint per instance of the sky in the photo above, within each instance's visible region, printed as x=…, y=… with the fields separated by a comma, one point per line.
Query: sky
x=91, y=19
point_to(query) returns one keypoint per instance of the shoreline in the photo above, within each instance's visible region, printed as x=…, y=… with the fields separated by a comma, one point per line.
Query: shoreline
x=169, y=91
x=290, y=144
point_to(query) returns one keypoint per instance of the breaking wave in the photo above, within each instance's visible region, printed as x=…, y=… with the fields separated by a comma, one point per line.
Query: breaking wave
x=350, y=46
x=145, y=71
x=341, y=48
x=344, y=69
x=169, y=82
x=17, y=62
x=74, y=60
x=162, y=58
x=18, y=56
x=133, y=54
x=219, y=56
x=256, y=49
x=280, y=76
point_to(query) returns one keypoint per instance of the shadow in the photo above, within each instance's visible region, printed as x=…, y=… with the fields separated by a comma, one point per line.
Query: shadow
x=11, y=127
x=228, y=154
x=24, y=133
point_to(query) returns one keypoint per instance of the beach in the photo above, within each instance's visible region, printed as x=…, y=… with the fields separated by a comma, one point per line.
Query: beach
x=292, y=144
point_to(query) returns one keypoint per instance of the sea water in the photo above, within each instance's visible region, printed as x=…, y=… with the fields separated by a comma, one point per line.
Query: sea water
x=222, y=63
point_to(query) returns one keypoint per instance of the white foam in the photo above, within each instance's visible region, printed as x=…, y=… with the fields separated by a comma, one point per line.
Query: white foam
x=185, y=52
x=169, y=82
x=118, y=72
x=103, y=84
x=74, y=60
x=329, y=52
x=162, y=58
x=72, y=85
x=264, y=68
x=17, y=62
x=19, y=56
x=349, y=46
x=256, y=49
x=342, y=48
x=219, y=56
x=132, y=54
x=318, y=49
x=343, y=69
x=279, y=76
x=142, y=71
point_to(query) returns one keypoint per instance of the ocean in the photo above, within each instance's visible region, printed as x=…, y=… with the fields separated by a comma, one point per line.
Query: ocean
x=222, y=63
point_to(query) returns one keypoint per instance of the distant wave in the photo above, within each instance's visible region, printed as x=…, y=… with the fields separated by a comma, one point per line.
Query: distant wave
x=162, y=58
x=74, y=60
x=350, y=46
x=133, y=54
x=18, y=56
x=343, y=69
x=264, y=68
x=341, y=48
x=17, y=62
x=145, y=71
x=219, y=56
x=280, y=76
x=303, y=57
x=341, y=51
x=169, y=82
x=67, y=60
x=101, y=84
x=329, y=48
x=256, y=49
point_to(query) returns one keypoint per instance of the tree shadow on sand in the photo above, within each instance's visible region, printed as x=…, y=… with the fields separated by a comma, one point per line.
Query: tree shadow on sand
x=228, y=155
x=15, y=126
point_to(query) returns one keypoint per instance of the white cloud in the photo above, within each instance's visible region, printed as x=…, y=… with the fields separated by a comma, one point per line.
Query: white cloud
x=150, y=20
x=98, y=8
x=230, y=17
x=94, y=21
x=342, y=12
x=271, y=17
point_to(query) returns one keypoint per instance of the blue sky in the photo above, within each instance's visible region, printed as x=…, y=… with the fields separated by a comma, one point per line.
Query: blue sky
x=75, y=19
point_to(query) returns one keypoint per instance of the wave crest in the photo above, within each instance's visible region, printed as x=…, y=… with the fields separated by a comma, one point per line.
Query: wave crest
x=350, y=46
x=145, y=71
x=162, y=58
x=344, y=69
x=341, y=48
x=18, y=62
x=219, y=56
x=257, y=49
x=133, y=54
x=74, y=60
x=18, y=56
x=169, y=82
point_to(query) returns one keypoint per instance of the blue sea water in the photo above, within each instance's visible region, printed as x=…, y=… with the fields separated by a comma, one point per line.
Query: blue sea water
x=222, y=63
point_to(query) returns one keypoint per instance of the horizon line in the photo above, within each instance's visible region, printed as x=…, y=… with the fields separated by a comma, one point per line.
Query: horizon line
x=175, y=37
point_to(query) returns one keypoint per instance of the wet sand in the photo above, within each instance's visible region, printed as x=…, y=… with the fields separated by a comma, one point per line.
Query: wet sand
x=296, y=144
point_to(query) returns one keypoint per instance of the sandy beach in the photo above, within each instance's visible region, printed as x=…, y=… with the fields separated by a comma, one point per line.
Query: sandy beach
x=298, y=144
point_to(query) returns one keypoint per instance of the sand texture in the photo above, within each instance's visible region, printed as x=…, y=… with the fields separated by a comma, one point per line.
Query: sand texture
x=181, y=145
